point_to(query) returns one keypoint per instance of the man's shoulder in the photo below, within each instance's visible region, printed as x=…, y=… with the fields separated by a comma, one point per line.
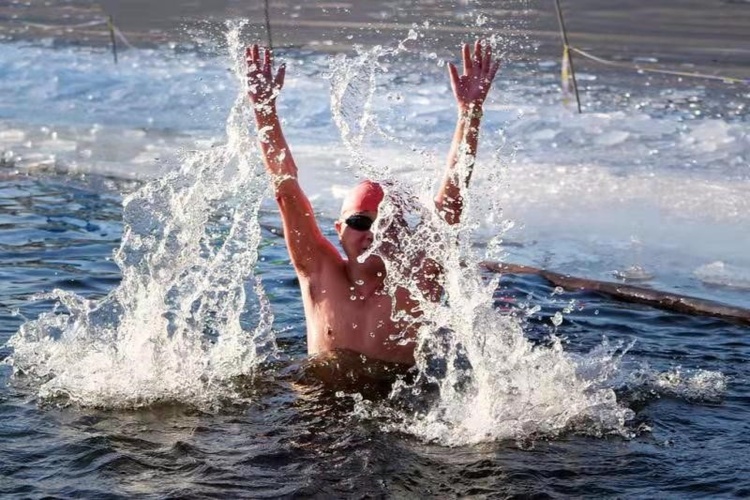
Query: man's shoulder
x=330, y=266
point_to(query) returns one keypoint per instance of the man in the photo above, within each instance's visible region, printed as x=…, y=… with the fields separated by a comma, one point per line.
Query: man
x=346, y=305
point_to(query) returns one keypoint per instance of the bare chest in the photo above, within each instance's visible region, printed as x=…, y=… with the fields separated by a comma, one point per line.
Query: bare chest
x=340, y=315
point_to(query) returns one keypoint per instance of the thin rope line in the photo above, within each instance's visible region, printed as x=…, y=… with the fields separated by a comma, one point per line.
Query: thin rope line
x=121, y=36
x=65, y=26
x=90, y=24
x=638, y=67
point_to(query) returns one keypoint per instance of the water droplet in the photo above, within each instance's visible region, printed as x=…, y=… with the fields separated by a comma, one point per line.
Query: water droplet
x=557, y=319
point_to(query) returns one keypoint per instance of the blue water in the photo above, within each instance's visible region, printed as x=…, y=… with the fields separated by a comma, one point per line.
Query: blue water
x=626, y=184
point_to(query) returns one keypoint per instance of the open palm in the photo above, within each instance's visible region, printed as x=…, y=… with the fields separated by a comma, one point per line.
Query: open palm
x=471, y=88
x=262, y=85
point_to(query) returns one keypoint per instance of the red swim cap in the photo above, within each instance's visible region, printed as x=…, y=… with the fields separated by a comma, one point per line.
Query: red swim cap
x=364, y=197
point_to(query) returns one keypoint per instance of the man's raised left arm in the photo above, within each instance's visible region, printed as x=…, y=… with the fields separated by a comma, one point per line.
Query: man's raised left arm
x=470, y=90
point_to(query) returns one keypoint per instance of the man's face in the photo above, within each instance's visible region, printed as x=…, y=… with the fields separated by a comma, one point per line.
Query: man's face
x=355, y=232
x=358, y=213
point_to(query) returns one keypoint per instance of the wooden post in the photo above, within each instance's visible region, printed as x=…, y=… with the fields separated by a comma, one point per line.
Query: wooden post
x=567, y=53
x=111, y=26
x=268, y=25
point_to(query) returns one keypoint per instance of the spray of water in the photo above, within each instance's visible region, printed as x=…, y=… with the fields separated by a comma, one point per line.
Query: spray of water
x=183, y=322
x=176, y=328
x=487, y=380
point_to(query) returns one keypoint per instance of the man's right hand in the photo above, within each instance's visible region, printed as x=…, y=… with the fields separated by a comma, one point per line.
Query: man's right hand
x=262, y=85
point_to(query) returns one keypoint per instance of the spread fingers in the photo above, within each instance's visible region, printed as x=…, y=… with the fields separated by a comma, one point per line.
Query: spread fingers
x=477, y=62
x=467, y=59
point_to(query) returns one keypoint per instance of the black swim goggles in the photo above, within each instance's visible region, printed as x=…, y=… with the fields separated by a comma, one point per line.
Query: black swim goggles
x=359, y=222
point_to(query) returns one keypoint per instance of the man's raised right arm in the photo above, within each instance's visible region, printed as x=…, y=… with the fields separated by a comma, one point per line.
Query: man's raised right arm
x=304, y=239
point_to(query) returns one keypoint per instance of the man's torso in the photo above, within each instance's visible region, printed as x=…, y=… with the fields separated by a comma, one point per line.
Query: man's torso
x=341, y=316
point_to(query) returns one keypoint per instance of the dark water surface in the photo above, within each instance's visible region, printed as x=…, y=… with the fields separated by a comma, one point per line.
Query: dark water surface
x=298, y=440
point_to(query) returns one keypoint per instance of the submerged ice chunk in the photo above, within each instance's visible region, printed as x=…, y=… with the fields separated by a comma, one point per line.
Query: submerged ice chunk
x=709, y=136
x=612, y=138
x=719, y=274
x=11, y=137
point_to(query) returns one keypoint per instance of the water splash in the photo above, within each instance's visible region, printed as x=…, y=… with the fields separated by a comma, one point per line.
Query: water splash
x=175, y=327
x=487, y=380
x=689, y=384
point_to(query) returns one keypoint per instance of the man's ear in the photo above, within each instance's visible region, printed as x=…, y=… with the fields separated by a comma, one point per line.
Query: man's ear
x=339, y=227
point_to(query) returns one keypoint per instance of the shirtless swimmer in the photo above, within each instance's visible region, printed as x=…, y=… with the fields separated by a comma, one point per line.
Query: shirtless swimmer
x=364, y=326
